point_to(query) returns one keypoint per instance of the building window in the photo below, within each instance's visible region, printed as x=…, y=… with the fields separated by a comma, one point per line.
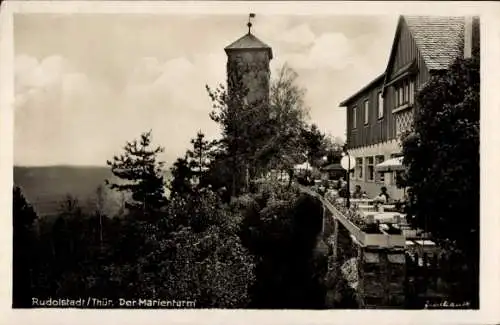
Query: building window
x=412, y=92
x=354, y=117
x=400, y=96
x=369, y=169
x=405, y=92
x=359, y=168
x=379, y=177
x=367, y=111
x=380, y=105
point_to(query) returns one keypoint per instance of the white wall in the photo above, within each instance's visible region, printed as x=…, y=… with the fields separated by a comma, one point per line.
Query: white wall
x=372, y=188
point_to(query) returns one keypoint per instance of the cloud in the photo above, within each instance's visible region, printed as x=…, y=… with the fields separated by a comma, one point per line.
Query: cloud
x=171, y=97
x=59, y=113
x=301, y=35
x=328, y=51
x=33, y=74
x=79, y=106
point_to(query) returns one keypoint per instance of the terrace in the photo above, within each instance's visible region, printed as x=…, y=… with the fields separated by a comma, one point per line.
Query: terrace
x=367, y=226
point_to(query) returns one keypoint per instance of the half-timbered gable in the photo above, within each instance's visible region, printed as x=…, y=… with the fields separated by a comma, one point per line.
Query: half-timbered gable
x=422, y=46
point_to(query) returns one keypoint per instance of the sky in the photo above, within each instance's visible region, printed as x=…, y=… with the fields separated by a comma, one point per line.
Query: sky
x=87, y=83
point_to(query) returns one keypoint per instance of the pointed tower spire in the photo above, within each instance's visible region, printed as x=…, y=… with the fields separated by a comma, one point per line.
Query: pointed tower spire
x=249, y=24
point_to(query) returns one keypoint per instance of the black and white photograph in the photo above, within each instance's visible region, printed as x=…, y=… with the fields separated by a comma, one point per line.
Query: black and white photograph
x=246, y=160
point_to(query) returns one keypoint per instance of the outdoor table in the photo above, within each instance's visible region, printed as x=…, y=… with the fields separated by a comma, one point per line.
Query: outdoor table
x=409, y=243
x=425, y=243
x=361, y=201
x=366, y=207
x=409, y=233
x=426, y=247
x=383, y=217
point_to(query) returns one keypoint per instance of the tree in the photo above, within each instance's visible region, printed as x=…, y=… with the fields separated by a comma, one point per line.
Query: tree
x=333, y=149
x=193, y=252
x=24, y=240
x=70, y=206
x=196, y=163
x=314, y=142
x=287, y=119
x=99, y=209
x=199, y=156
x=181, y=177
x=281, y=228
x=219, y=175
x=442, y=155
x=142, y=174
x=260, y=135
x=244, y=128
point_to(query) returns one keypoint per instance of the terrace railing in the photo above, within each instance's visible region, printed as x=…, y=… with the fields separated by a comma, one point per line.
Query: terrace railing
x=381, y=239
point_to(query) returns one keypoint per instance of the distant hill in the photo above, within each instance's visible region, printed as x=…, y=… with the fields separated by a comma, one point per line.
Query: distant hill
x=46, y=187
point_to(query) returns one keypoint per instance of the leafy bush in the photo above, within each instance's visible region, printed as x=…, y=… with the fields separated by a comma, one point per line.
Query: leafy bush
x=190, y=250
x=442, y=155
x=281, y=228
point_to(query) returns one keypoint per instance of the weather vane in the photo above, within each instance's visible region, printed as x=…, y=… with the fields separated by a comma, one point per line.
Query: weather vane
x=250, y=16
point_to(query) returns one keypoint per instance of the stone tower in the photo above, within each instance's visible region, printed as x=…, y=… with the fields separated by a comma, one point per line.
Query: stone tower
x=248, y=66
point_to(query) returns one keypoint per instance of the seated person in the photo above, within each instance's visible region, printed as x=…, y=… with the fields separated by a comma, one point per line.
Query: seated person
x=331, y=194
x=321, y=190
x=383, y=197
x=357, y=193
x=343, y=192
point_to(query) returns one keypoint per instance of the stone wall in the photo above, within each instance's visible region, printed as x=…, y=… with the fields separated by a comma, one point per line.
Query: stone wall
x=342, y=277
x=382, y=275
x=252, y=67
x=361, y=277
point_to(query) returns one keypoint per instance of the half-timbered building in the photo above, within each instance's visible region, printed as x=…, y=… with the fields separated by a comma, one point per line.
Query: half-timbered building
x=382, y=110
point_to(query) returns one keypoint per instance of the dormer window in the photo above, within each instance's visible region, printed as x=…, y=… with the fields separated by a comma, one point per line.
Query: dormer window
x=404, y=93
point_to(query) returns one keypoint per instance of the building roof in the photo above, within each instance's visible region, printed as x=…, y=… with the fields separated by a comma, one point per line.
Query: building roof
x=332, y=167
x=248, y=41
x=372, y=83
x=439, y=39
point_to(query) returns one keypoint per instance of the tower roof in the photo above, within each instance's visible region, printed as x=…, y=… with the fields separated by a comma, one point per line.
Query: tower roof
x=249, y=42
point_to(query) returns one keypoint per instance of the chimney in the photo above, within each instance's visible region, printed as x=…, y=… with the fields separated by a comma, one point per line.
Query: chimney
x=468, y=37
x=471, y=37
